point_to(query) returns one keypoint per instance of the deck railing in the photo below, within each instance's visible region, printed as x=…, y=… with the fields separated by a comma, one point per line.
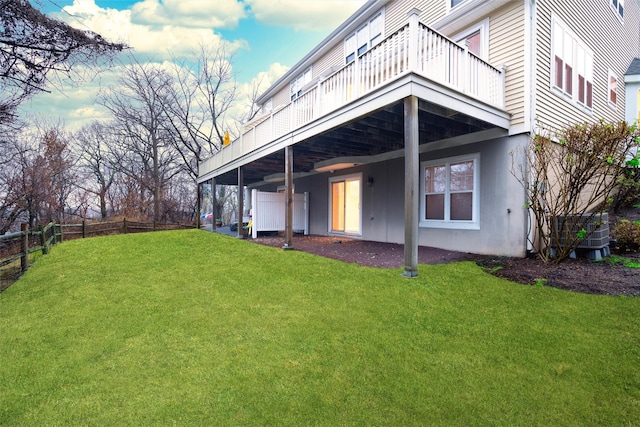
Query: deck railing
x=413, y=48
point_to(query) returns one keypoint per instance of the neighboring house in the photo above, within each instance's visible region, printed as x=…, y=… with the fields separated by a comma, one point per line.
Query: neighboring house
x=400, y=124
x=632, y=91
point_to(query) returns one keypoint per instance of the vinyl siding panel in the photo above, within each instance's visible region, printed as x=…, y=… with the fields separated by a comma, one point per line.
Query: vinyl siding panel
x=506, y=47
x=613, y=44
x=334, y=58
x=282, y=97
x=397, y=11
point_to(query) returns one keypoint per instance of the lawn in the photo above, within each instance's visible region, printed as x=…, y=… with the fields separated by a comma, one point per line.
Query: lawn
x=194, y=328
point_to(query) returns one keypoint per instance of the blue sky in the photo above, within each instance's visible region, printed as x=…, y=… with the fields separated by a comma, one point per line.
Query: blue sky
x=266, y=36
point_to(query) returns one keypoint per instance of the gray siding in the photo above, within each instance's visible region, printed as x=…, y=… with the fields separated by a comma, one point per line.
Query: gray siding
x=612, y=42
x=502, y=217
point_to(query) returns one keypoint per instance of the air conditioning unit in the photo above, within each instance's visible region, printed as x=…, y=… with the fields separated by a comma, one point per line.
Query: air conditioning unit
x=597, y=229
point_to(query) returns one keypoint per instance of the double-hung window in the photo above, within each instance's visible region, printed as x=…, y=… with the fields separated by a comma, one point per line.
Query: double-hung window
x=450, y=192
x=364, y=38
x=571, y=66
x=296, y=85
x=618, y=7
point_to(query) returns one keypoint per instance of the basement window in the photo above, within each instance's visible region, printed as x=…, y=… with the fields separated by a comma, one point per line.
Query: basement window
x=449, y=189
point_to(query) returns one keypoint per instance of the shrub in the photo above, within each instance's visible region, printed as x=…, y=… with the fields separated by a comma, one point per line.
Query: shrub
x=573, y=173
x=628, y=189
x=627, y=235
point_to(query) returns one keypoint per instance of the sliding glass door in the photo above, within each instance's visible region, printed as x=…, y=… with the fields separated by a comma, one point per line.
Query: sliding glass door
x=345, y=197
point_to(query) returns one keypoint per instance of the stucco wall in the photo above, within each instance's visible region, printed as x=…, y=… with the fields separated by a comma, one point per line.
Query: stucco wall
x=502, y=217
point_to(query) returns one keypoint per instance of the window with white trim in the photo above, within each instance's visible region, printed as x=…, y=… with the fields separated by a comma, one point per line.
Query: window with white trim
x=298, y=83
x=476, y=38
x=618, y=7
x=450, y=192
x=571, y=66
x=364, y=38
x=612, y=86
x=454, y=3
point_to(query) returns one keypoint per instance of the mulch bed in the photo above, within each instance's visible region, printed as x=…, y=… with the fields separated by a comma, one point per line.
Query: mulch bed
x=579, y=275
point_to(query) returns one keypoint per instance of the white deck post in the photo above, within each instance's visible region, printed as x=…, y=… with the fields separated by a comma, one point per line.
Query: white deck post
x=288, y=183
x=214, y=207
x=414, y=15
x=306, y=213
x=240, y=203
x=411, y=187
x=255, y=211
x=466, y=69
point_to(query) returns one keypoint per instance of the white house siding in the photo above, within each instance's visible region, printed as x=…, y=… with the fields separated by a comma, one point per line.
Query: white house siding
x=612, y=42
x=396, y=12
x=506, y=47
x=283, y=97
x=333, y=58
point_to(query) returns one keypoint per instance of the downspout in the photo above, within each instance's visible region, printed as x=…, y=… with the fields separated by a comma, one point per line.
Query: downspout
x=530, y=23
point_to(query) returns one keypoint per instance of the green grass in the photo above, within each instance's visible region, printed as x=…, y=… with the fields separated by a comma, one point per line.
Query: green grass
x=616, y=259
x=193, y=328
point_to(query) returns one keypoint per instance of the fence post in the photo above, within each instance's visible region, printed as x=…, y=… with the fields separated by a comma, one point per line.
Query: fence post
x=24, y=247
x=154, y=225
x=43, y=240
x=124, y=226
x=84, y=228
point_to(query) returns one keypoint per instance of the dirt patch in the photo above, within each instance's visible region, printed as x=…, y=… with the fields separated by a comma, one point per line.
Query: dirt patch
x=579, y=275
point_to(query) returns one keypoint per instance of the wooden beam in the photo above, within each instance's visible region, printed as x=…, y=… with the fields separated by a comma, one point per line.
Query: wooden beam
x=411, y=186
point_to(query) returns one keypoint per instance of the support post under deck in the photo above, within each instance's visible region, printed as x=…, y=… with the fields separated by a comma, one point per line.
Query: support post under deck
x=411, y=178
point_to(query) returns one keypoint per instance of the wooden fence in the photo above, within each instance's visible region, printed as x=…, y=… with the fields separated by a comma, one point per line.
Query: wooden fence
x=17, y=248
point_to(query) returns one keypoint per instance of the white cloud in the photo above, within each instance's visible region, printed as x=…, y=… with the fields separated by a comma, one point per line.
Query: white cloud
x=157, y=41
x=189, y=13
x=75, y=104
x=304, y=14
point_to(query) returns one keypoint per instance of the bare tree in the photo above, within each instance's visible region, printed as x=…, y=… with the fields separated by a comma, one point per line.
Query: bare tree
x=12, y=207
x=147, y=152
x=37, y=183
x=34, y=46
x=59, y=174
x=96, y=147
x=197, y=106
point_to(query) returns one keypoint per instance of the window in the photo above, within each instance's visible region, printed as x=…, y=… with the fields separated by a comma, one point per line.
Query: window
x=618, y=7
x=612, y=86
x=571, y=65
x=365, y=38
x=476, y=38
x=454, y=3
x=299, y=82
x=450, y=192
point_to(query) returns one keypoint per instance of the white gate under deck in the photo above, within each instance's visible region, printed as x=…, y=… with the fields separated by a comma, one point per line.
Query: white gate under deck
x=268, y=212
